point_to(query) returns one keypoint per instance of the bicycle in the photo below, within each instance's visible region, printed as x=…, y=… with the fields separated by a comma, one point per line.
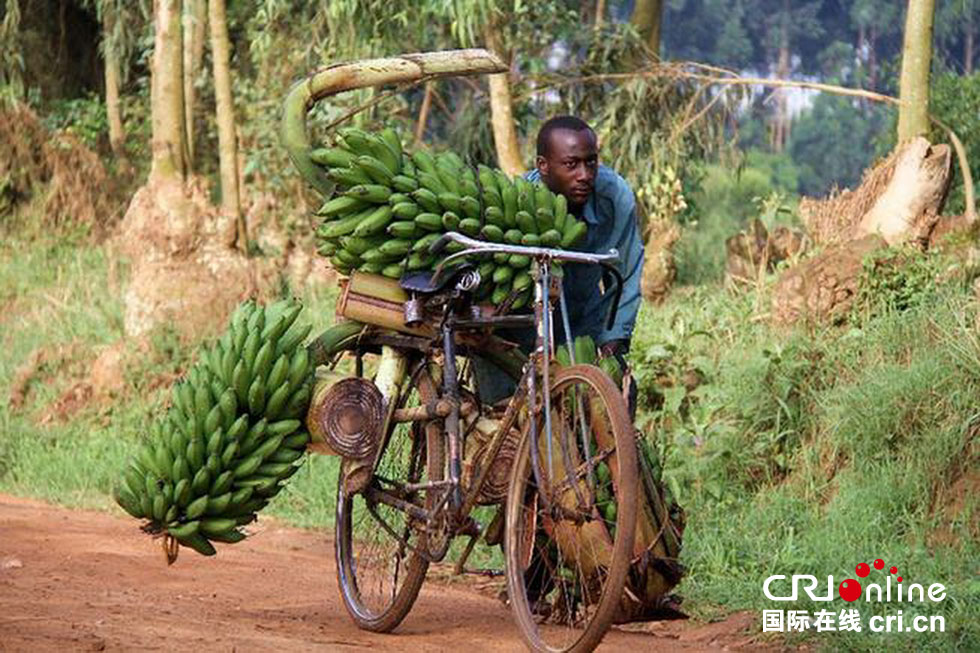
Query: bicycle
x=566, y=559
x=418, y=455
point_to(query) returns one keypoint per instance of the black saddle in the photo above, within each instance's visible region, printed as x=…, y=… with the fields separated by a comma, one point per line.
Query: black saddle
x=424, y=282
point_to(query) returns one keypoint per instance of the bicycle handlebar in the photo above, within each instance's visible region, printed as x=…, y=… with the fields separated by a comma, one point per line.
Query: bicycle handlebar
x=473, y=246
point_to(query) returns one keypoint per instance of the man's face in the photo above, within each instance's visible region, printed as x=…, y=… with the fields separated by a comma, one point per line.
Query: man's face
x=571, y=164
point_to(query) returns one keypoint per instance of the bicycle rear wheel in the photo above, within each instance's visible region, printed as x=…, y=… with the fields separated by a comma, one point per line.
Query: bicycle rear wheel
x=569, y=540
x=381, y=561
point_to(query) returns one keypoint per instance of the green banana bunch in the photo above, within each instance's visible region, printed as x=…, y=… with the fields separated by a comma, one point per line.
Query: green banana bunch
x=232, y=435
x=586, y=352
x=390, y=205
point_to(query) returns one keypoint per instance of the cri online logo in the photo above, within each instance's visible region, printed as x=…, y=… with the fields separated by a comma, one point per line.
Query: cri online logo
x=850, y=589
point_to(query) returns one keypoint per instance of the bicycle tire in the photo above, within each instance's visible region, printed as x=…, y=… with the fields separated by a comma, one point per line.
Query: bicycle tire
x=525, y=519
x=386, y=617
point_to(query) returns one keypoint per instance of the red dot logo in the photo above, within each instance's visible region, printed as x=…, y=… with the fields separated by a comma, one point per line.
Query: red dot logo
x=862, y=570
x=899, y=579
x=879, y=564
x=893, y=570
x=849, y=590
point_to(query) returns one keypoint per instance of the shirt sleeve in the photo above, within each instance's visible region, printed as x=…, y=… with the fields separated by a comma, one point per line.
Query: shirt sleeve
x=630, y=246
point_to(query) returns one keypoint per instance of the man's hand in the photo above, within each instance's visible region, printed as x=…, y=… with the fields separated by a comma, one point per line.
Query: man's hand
x=617, y=348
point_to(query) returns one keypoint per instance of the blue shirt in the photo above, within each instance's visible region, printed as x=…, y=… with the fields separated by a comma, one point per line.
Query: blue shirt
x=610, y=213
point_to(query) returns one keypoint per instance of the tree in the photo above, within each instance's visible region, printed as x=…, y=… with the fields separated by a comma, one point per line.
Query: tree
x=502, y=112
x=111, y=57
x=875, y=20
x=169, y=142
x=956, y=20
x=194, y=24
x=913, y=113
x=647, y=16
x=225, y=112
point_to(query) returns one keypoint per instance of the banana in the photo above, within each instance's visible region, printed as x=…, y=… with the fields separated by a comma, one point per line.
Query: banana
x=574, y=233
x=201, y=482
x=229, y=453
x=213, y=420
x=263, y=361
x=215, y=442
x=543, y=198
x=406, y=210
x=346, y=178
x=277, y=401
x=297, y=440
x=449, y=176
x=199, y=543
x=182, y=492
x=468, y=187
x=375, y=169
x=560, y=212
x=404, y=183
x=217, y=525
x=218, y=504
x=451, y=202
x=374, y=223
x=429, y=222
x=373, y=193
x=424, y=161
x=293, y=338
x=228, y=537
x=299, y=365
x=184, y=530
x=356, y=140
x=432, y=183
x=340, y=206
x=471, y=207
x=247, y=467
x=403, y=229
x=526, y=223
x=331, y=157
x=256, y=396
x=268, y=447
x=427, y=199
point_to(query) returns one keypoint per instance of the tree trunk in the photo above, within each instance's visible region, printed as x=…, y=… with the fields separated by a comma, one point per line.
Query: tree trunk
x=913, y=113
x=225, y=112
x=169, y=144
x=873, y=59
x=113, y=109
x=502, y=115
x=646, y=18
x=194, y=23
x=968, y=46
x=781, y=126
x=600, y=13
x=424, y=112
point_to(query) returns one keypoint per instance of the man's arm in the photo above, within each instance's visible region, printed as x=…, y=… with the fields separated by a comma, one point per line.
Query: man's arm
x=630, y=247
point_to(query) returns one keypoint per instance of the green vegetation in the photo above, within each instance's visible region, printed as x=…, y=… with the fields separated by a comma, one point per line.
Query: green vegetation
x=797, y=451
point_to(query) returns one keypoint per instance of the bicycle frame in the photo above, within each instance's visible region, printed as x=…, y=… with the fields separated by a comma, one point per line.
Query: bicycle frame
x=538, y=364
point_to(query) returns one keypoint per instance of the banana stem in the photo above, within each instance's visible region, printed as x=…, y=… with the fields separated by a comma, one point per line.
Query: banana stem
x=360, y=74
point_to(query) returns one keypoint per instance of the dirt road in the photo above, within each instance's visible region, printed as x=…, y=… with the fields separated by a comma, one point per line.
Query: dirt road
x=77, y=580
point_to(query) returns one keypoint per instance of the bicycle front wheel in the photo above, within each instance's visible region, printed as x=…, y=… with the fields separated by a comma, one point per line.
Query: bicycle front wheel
x=381, y=549
x=570, y=526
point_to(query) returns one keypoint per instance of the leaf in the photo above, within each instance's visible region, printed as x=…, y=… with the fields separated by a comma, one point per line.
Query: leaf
x=673, y=398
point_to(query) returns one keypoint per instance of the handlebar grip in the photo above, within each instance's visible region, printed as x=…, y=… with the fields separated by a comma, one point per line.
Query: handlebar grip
x=441, y=243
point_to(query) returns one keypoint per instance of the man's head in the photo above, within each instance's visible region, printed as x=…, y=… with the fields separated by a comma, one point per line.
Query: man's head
x=568, y=158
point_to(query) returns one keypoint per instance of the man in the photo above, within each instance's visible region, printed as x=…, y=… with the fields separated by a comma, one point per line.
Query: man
x=568, y=164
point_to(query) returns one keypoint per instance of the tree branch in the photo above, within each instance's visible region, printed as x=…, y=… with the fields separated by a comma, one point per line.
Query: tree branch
x=681, y=71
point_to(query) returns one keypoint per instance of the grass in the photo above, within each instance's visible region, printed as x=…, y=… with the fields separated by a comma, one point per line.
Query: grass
x=798, y=451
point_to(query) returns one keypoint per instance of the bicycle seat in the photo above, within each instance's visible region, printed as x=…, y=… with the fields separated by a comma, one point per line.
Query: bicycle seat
x=425, y=283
